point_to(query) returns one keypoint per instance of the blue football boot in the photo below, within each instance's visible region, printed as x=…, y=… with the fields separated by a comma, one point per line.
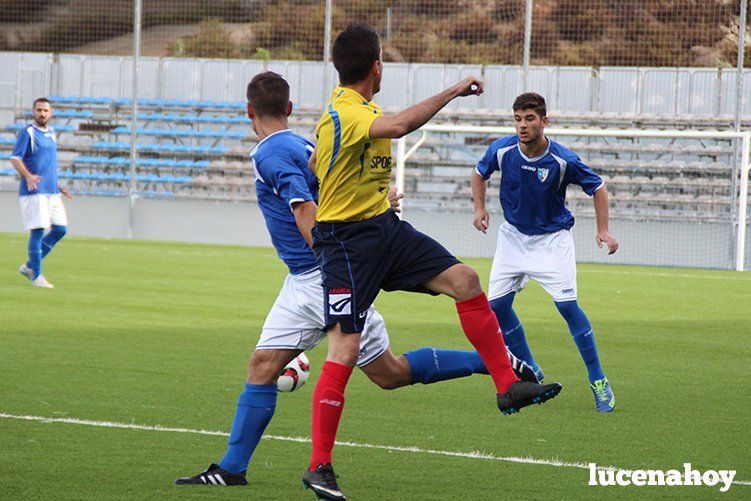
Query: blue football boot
x=604, y=398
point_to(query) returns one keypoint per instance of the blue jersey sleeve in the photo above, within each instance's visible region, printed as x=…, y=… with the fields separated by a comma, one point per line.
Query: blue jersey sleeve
x=577, y=172
x=22, y=146
x=489, y=162
x=286, y=179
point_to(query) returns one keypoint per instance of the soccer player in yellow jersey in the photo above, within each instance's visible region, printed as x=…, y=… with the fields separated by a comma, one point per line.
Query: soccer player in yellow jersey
x=362, y=246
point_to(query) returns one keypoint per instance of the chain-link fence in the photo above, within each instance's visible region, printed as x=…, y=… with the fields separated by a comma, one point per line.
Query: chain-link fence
x=701, y=33
x=156, y=108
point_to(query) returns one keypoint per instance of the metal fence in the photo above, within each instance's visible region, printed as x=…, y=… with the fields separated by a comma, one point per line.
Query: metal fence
x=161, y=82
x=543, y=32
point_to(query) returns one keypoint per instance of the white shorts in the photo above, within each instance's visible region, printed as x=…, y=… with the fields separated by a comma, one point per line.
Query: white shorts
x=296, y=320
x=42, y=211
x=549, y=259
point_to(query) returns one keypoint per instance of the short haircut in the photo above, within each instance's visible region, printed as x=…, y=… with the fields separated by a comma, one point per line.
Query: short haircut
x=268, y=92
x=40, y=100
x=531, y=101
x=355, y=50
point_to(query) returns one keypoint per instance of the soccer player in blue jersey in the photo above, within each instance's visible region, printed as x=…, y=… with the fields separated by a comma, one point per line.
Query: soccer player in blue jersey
x=287, y=193
x=535, y=240
x=35, y=159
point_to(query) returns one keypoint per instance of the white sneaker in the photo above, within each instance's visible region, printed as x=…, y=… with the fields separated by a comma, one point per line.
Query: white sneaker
x=26, y=271
x=40, y=281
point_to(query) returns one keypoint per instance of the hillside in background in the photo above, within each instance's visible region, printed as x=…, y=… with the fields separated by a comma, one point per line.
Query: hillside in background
x=565, y=32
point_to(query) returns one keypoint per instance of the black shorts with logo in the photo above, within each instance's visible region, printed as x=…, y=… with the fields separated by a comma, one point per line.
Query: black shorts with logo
x=358, y=259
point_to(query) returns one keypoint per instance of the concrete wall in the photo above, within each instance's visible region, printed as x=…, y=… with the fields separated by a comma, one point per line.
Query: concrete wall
x=241, y=223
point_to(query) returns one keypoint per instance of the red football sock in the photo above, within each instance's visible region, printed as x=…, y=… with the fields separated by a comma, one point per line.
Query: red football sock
x=328, y=403
x=481, y=328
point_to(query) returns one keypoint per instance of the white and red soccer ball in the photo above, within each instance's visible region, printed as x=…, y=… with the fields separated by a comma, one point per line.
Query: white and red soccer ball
x=294, y=374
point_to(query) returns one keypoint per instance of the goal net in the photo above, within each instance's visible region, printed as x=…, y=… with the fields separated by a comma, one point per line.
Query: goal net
x=677, y=197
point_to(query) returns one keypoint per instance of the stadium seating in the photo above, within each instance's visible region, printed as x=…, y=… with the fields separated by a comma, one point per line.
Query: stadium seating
x=199, y=148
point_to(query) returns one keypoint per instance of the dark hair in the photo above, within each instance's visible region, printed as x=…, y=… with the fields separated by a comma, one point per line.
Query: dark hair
x=268, y=92
x=40, y=100
x=531, y=101
x=355, y=50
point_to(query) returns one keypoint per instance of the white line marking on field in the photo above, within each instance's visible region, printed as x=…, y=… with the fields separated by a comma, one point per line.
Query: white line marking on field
x=305, y=440
x=668, y=275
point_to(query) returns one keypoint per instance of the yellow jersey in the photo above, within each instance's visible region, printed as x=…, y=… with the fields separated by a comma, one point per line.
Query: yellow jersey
x=353, y=170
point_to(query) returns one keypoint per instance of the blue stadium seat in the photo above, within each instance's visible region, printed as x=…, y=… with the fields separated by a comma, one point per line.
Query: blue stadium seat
x=7, y=172
x=7, y=141
x=57, y=128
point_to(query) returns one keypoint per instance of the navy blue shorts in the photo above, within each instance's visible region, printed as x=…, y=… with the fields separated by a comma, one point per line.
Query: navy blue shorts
x=359, y=259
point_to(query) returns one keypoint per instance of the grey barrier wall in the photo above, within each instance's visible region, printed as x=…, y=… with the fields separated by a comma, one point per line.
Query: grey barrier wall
x=203, y=221
x=241, y=223
x=620, y=90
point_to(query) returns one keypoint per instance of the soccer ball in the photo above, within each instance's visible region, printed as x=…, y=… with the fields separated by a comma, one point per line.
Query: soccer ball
x=294, y=374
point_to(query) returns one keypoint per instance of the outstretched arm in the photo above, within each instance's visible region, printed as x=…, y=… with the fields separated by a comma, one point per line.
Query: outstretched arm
x=601, y=214
x=414, y=117
x=479, y=188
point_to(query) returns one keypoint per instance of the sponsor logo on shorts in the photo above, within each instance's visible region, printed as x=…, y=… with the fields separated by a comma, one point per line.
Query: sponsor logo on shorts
x=340, y=301
x=363, y=314
x=567, y=291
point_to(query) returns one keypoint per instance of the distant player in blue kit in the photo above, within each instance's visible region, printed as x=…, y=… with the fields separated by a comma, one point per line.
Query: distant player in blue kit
x=287, y=193
x=535, y=241
x=35, y=159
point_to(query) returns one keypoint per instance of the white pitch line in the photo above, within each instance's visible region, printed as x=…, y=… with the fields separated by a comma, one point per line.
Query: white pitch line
x=305, y=440
x=668, y=275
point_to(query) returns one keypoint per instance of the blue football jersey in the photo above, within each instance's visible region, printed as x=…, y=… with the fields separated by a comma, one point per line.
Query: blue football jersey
x=533, y=190
x=37, y=148
x=280, y=162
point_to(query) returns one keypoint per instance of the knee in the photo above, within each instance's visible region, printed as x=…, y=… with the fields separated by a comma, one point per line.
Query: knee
x=263, y=367
x=568, y=309
x=467, y=283
x=346, y=351
x=502, y=305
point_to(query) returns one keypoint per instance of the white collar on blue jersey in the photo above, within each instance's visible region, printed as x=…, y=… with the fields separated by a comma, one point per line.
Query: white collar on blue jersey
x=259, y=143
x=538, y=157
x=46, y=129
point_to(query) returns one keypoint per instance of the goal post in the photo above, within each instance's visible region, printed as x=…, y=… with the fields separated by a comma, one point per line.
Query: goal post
x=677, y=197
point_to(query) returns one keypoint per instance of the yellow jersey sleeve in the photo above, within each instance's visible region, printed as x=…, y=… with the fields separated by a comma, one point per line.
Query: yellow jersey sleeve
x=353, y=170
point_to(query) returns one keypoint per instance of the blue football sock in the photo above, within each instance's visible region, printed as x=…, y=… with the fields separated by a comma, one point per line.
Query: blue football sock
x=255, y=409
x=50, y=239
x=430, y=365
x=584, y=337
x=513, y=332
x=35, y=251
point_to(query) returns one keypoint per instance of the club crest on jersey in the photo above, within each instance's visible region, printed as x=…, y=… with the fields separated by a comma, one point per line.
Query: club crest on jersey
x=340, y=302
x=542, y=174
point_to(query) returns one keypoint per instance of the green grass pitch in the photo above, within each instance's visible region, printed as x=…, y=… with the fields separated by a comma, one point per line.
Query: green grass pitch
x=159, y=334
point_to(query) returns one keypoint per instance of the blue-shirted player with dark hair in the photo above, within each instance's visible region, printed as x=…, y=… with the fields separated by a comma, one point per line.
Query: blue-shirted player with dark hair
x=35, y=159
x=287, y=194
x=535, y=241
